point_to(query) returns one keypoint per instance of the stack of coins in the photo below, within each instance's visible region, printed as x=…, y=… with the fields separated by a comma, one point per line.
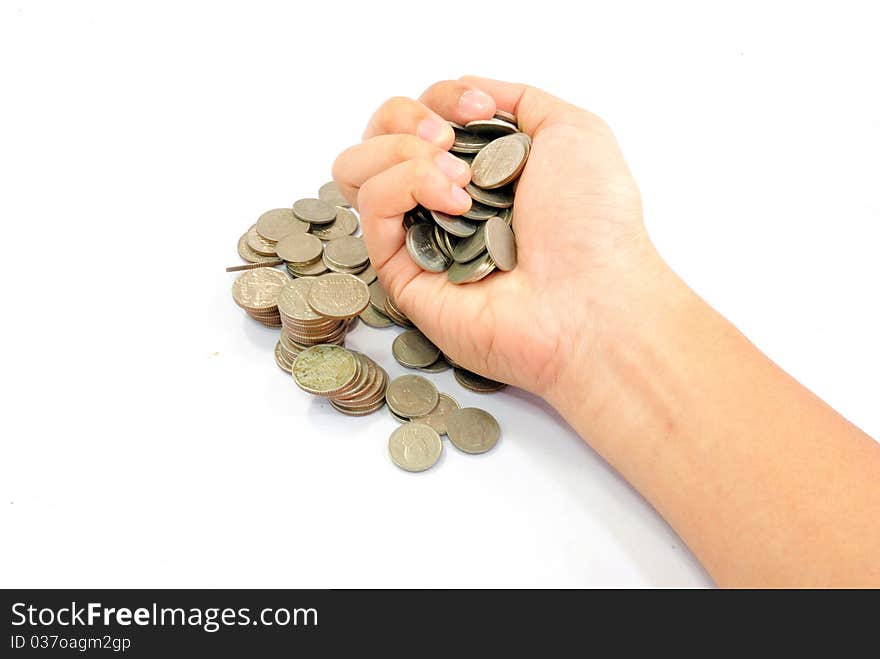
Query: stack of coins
x=354, y=383
x=427, y=414
x=317, y=310
x=256, y=291
x=470, y=246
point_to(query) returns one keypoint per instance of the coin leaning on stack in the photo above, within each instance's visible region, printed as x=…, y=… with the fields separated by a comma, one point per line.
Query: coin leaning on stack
x=470, y=246
x=315, y=311
x=256, y=291
x=354, y=383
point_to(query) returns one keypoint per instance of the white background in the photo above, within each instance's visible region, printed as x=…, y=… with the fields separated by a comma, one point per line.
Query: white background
x=149, y=438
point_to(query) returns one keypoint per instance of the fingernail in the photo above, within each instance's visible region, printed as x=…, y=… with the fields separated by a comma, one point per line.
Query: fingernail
x=475, y=103
x=461, y=198
x=450, y=165
x=433, y=130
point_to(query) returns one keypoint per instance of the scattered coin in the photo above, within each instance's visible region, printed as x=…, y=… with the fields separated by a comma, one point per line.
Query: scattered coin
x=500, y=244
x=314, y=211
x=414, y=350
x=325, y=370
x=415, y=447
x=411, y=395
x=300, y=248
x=346, y=252
x=437, y=417
x=474, y=382
x=330, y=194
x=375, y=318
x=249, y=255
x=345, y=224
x=273, y=225
x=472, y=430
x=259, y=244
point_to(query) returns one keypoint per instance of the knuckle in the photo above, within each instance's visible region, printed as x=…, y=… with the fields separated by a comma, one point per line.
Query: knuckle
x=406, y=147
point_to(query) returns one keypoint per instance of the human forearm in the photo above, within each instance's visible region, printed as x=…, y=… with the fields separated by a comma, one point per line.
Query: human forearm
x=766, y=483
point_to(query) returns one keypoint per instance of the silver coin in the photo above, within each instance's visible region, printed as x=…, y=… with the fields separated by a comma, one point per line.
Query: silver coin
x=470, y=248
x=273, y=225
x=437, y=417
x=310, y=270
x=397, y=417
x=415, y=447
x=491, y=127
x=500, y=162
x=474, y=382
x=377, y=296
x=367, y=275
x=454, y=224
x=498, y=198
x=506, y=116
x=314, y=211
x=467, y=142
x=501, y=244
x=441, y=238
x=347, y=252
x=479, y=212
x=472, y=430
x=414, y=350
x=375, y=318
x=299, y=248
x=330, y=193
x=411, y=395
x=437, y=367
x=471, y=271
x=345, y=224
x=424, y=250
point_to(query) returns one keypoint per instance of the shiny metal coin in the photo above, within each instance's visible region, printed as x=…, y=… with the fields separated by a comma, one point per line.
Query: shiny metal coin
x=467, y=142
x=454, y=224
x=500, y=162
x=377, y=296
x=330, y=193
x=249, y=255
x=479, y=212
x=314, y=211
x=437, y=367
x=300, y=249
x=476, y=383
x=506, y=116
x=491, y=128
x=273, y=225
x=472, y=430
x=415, y=447
x=324, y=370
x=414, y=350
x=367, y=275
x=470, y=271
x=424, y=250
x=337, y=295
x=347, y=252
x=437, y=417
x=257, y=290
x=375, y=318
x=259, y=244
x=500, y=244
x=470, y=248
x=411, y=395
x=345, y=224
x=499, y=198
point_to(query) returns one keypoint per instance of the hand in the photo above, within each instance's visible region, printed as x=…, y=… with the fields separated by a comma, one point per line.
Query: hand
x=577, y=220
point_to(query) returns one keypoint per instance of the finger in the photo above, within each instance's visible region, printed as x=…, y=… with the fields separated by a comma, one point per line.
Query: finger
x=383, y=199
x=363, y=161
x=531, y=106
x=458, y=101
x=404, y=115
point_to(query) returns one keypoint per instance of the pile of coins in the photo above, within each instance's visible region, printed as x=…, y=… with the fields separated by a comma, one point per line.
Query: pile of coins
x=426, y=414
x=354, y=384
x=470, y=246
x=256, y=291
x=331, y=283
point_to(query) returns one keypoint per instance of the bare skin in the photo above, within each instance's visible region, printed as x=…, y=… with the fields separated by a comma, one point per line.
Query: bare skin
x=767, y=484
